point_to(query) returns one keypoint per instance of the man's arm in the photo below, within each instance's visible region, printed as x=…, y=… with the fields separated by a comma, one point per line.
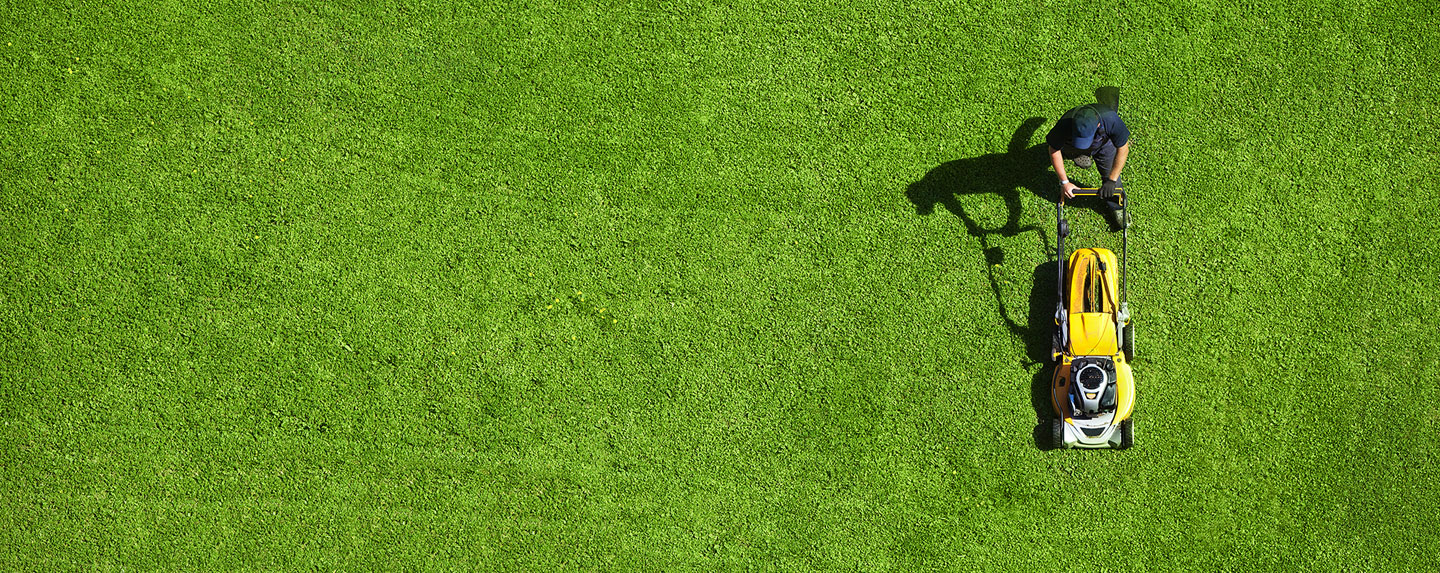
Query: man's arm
x=1120, y=154
x=1058, y=162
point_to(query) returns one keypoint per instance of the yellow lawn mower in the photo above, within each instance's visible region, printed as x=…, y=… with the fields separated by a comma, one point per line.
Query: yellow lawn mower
x=1093, y=390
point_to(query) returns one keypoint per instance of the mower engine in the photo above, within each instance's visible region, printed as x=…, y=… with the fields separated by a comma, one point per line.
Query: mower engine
x=1094, y=391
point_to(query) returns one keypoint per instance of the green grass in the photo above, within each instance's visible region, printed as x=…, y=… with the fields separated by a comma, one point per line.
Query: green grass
x=705, y=286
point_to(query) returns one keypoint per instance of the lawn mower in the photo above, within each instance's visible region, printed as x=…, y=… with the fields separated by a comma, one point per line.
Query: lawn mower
x=1093, y=391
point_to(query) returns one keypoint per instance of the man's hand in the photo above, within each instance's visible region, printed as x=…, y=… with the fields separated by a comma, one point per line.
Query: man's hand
x=1107, y=189
x=1068, y=189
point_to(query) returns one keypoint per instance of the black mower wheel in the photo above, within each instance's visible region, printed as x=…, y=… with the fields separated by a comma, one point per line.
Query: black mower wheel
x=1127, y=434
x=1128, y=345
x=1057, y=433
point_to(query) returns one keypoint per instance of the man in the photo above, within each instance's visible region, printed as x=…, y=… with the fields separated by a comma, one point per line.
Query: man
x=1086, y=134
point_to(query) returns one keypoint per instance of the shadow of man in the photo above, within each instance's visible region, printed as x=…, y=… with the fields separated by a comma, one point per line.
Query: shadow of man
x=1000, y=174
x=1005, y=175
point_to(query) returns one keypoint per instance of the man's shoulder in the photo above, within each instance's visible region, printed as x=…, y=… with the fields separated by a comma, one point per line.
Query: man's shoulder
x=1062, y=124
x=1110, y=116
x=1061, y=132
x=1119, y=132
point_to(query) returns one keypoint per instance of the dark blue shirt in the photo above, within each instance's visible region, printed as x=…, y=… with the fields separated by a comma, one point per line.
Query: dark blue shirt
x=1111, y=129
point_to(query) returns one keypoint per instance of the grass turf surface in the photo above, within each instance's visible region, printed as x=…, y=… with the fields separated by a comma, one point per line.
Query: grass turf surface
x=705, y=286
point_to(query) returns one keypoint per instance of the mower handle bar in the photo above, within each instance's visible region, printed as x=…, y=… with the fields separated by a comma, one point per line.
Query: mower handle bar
x=1093, y=192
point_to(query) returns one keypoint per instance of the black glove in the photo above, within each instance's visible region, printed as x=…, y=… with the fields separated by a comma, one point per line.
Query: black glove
x=1107, y=189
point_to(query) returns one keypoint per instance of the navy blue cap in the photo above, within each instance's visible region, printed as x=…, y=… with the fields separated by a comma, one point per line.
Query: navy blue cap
x=1086, y=120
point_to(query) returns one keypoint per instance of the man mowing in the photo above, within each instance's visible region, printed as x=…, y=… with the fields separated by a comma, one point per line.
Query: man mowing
x=1092, y=134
